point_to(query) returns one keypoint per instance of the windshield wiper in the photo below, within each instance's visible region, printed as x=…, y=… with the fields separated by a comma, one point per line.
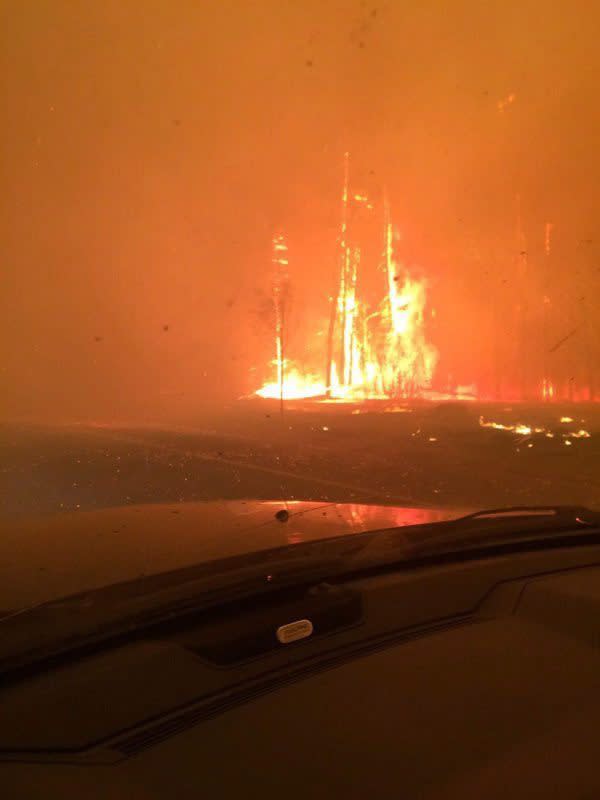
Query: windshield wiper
x=118, y=613
x=491, y=527
x=89, y=621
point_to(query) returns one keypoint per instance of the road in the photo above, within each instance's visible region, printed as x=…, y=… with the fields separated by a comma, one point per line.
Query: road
x=415, y=455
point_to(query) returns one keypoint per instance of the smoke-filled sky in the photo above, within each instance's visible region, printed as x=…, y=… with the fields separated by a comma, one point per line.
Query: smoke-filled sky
x=151, y=148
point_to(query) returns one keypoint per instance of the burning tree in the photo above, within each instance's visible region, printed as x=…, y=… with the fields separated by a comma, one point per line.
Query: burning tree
x=374, y=349
x=289, y=382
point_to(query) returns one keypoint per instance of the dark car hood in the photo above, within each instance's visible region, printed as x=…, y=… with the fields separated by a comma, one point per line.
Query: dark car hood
x=48, y=557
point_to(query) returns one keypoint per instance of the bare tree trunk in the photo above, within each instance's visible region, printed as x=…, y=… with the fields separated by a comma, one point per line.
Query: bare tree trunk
x=340, y=282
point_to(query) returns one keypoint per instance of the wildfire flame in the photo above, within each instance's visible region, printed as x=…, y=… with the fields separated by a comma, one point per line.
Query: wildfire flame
x=295, y=385
x=376, y=351
x=524, y=430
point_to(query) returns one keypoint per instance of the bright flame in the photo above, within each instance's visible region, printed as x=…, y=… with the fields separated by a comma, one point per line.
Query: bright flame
x=409, y=359
x=383, y=352
x=295, y=386
x=376, y=344
x=373, y=351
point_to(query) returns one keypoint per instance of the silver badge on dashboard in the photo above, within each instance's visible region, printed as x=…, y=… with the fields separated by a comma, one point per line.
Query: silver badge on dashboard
x=293, y=631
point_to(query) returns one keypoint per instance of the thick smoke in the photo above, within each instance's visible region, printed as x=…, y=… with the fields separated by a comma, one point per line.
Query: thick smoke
x=151, y=150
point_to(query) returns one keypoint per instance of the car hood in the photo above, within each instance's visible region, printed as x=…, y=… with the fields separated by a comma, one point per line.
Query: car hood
x=47, y=557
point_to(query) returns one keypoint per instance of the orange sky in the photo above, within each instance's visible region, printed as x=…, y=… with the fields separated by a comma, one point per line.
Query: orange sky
x=150, y=149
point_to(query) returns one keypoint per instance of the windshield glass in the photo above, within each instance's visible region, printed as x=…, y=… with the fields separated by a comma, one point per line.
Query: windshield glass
x=326, y=252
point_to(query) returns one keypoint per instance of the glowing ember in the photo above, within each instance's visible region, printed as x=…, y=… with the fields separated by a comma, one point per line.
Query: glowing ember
x=503, y=104
x=520, y=429
x=580, y=434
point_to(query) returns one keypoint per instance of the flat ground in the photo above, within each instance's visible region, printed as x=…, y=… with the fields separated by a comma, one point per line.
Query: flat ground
x=421, y=454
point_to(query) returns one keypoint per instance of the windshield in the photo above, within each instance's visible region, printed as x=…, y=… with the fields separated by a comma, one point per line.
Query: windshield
x=323, y=252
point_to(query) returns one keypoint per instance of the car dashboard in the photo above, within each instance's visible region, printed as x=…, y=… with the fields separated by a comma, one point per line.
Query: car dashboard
x=466, y=679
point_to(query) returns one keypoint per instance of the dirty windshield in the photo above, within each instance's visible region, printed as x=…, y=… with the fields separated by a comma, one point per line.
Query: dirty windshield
x=330, y=258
